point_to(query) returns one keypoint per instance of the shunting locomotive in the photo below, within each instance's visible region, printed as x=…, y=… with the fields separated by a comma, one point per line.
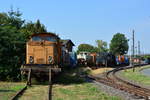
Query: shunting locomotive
x=43, y=48
x=47, y=50
x=43, y=51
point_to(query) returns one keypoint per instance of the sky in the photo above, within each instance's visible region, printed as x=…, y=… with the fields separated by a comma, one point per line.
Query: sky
x=84, y=21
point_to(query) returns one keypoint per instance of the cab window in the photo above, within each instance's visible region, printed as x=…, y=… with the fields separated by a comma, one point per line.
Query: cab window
x=43, y=38
x=36, y=38
x=52, y=39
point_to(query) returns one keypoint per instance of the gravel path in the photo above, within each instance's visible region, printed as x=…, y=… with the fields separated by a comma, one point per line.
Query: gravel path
x=115, y=92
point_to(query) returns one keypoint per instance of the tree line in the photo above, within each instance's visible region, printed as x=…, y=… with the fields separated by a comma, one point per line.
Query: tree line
x=118, y=46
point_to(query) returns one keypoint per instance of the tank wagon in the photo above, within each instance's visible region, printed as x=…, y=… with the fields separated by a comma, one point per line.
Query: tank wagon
x=43, y=51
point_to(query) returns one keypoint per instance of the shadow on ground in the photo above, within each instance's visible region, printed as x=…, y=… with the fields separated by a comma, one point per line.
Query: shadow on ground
x=71, y=76
x=6, y=90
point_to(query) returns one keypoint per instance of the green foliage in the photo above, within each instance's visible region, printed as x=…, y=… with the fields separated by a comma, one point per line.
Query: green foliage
x=119, y=44
x=11, y=48
x=8, y=89
x=147, y=56
x=39, y=28
x=13, y=35
x=12, y=18
x=101, y=46
x=86, y=47
x=30, y=28
x=12, y=52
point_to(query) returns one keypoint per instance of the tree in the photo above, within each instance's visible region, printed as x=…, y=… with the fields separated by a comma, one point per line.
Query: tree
x=12, y=45
x=119, y=44
x=39, y=28
x=101, y=46
x=86, y=47
x=13, y=35
x=12, y=18
x=30, y=28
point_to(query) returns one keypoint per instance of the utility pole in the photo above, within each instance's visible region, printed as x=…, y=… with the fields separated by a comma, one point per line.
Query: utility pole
x=139, y=50
x=136, y=52
x=139, y=53
x=133, y=50
x=133, y=45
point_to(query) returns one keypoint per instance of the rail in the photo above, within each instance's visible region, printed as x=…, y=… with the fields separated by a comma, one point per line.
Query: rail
x=19, y=93
x=111, y=79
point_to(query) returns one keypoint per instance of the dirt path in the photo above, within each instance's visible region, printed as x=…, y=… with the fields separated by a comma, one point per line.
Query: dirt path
x=36, y=92
x=100, y=70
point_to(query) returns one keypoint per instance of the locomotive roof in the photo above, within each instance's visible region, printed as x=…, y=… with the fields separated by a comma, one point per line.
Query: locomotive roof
x=45, y=34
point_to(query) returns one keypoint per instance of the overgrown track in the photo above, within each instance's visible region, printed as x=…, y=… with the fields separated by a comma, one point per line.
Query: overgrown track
x=111, y=79
x=29, y=84
x=20, y=93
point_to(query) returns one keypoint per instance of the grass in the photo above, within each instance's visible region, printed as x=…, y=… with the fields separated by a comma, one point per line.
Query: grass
x=8, y=89
x=71, y=86
x=84, y=91
x=35, y=92
x=137, y=75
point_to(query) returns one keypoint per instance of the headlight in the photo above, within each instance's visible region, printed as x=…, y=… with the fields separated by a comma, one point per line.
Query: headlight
x=50, y=59
x=31, y=60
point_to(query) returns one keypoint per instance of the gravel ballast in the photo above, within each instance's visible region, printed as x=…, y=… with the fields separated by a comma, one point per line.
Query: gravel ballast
x=115, y=92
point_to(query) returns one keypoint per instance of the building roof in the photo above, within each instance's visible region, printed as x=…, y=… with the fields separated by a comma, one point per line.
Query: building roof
x=64, y=42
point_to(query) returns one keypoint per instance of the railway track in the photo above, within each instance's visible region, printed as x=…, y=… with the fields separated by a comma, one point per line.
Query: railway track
x=111, y=79
x=20, y=93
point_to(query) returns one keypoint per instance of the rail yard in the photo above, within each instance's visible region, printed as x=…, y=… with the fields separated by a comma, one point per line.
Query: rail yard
x=49, y=57
x=75, y=50
x=111, y=79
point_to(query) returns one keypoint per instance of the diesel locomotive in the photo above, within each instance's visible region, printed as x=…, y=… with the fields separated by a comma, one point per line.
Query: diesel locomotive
x=43, y=51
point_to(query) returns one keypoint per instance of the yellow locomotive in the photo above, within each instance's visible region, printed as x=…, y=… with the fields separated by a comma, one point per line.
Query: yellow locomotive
x=43, y=48
x=43, y=51
x=46, y=53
